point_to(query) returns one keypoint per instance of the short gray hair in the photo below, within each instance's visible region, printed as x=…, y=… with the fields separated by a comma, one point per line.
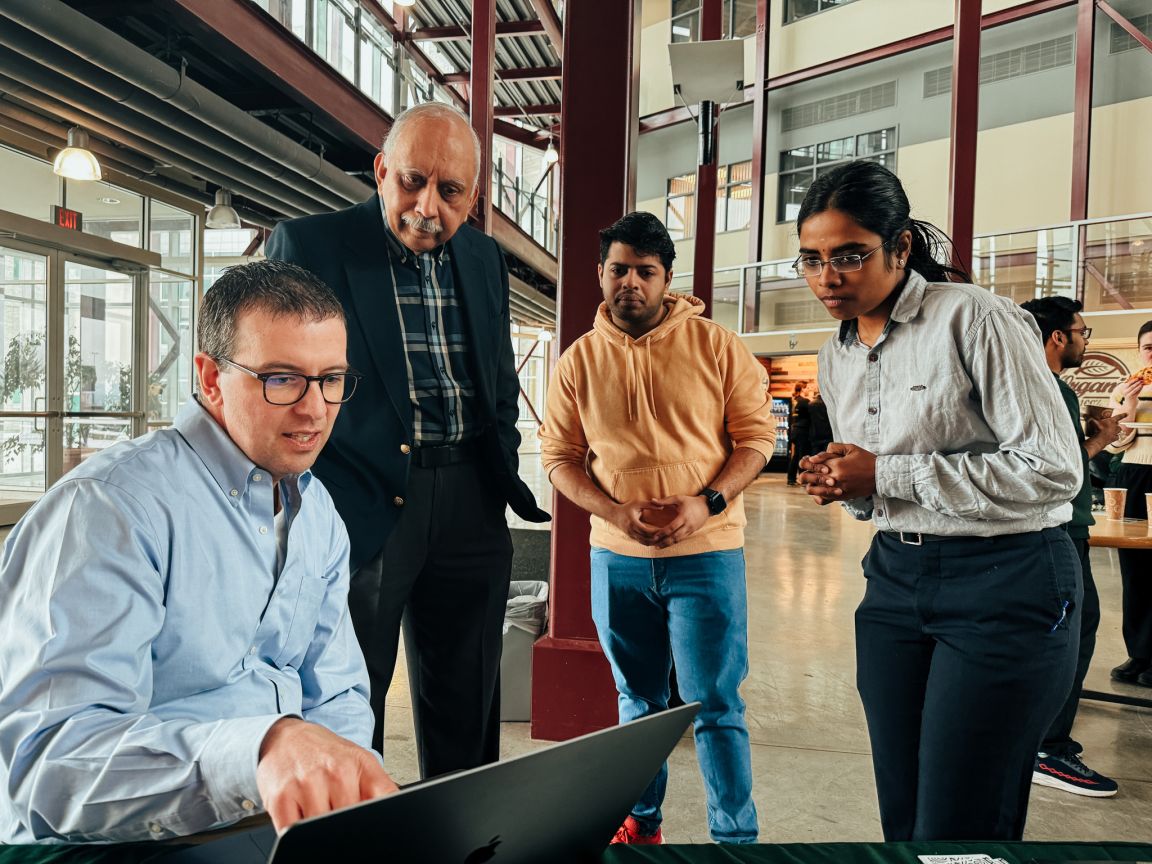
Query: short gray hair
x=431, y=111
x=276, y=287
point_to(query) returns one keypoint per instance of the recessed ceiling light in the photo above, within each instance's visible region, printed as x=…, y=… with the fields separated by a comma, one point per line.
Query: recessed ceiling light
x=108, y=199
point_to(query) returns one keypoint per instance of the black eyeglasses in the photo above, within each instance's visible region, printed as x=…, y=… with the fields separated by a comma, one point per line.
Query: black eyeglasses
x=1086, y=332
x=813, y=265
x=288, y=388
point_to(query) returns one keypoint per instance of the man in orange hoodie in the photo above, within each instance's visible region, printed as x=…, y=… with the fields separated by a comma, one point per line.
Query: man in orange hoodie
x=656, y=421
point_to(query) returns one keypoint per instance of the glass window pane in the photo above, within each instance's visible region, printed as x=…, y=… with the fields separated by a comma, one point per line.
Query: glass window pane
x=835, y=151
x=170, y=347
x=739, y=206
x=801, y=157
x=741, y=172
x=791, y=194
x=23, y=381
x=108, y=211
x=876, y=142
x=171, y=233
x=30, y=187
x=680, y=216
x=683, y=185
x=679, y=7
x=1118, y=265
x=686, y=28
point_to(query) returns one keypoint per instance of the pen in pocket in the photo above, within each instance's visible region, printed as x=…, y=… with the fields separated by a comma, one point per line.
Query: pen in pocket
x=1063, y=615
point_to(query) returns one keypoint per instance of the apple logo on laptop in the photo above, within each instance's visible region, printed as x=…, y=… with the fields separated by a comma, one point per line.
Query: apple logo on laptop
x=484, y=853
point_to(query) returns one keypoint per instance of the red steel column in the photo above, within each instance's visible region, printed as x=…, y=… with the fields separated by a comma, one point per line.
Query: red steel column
x=965, y=129
x=750, y=294
x=705, y=245
x=1082, y=112
x=572, y=688
x=481, y=100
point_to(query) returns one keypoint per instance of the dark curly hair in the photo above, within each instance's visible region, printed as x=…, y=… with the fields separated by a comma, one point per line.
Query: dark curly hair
x=644, y=233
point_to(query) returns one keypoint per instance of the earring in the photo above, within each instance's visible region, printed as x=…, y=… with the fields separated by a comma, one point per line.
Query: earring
x=899, y=262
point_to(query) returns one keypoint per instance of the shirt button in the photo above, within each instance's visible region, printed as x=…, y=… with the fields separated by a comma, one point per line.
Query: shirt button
x=405, y=449
x=234, y=492
x=257, y=477
x=398, y=501
x=263, y=529
x=155, y=827
x=248, y=805
x=871, y=410
x=252, y=650
x=880, y=513
x=872, y=358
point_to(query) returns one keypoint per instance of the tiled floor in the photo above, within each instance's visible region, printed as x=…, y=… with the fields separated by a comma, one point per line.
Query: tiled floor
x=810, y=747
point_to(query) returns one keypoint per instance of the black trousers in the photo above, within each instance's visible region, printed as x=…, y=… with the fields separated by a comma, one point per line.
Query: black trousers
x=1136, y=565
x=1058, y=739
x=965, y=650
x=445, y=570
x=801, y=444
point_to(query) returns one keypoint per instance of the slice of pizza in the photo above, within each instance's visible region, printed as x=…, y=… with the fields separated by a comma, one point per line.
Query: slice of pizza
x=1144, y=375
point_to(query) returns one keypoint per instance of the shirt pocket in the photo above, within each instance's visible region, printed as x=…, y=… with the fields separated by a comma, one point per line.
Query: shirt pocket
x=301, y=629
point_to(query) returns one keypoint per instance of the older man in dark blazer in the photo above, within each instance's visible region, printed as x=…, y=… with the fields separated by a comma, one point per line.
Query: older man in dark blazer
x=423, y=462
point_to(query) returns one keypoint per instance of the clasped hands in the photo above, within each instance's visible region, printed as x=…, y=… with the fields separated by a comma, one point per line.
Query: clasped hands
x=840, y=473
x=661, y=522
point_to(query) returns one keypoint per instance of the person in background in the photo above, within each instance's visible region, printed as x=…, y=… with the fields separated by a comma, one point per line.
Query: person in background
x=177, y=650
x=1134, y=398
x=821, y=429
x=1065, y=338
x=798, y=429
x=952, y=438
x=657, y=419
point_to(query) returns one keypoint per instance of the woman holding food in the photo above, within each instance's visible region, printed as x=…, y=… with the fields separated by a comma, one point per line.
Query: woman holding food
x=1134, y=398
x=952, y=438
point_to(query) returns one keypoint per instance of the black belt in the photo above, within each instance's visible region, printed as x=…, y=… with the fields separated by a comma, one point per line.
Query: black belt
x=914, y=538
x=447, y=454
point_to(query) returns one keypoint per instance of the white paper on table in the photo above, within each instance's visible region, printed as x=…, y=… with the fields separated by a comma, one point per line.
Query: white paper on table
x=960, y=859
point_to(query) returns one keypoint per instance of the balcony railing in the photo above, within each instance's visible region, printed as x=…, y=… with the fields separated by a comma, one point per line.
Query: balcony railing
x=1106, y=263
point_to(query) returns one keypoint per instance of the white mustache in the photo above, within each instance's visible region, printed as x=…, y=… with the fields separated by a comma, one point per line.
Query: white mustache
x=419, y=223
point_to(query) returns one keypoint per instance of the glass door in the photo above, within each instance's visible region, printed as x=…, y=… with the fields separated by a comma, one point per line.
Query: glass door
x=24, y=414
x=99, y=359
x=70, y=363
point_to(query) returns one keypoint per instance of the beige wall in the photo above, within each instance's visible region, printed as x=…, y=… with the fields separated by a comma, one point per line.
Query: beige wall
x=1023, y=175
x=1121, y=171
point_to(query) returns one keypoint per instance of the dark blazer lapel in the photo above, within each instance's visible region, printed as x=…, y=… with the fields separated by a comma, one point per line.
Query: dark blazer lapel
x=370, y=284
x=478, y=293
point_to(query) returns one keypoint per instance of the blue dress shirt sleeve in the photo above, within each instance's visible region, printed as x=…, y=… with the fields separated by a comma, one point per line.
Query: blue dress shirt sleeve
x=85, y=758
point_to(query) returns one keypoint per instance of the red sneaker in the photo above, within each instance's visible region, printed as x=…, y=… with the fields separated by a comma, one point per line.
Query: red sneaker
x=629, y=833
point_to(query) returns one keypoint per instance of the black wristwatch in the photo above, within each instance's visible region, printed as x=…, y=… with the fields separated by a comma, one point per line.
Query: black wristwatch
x=716, y=502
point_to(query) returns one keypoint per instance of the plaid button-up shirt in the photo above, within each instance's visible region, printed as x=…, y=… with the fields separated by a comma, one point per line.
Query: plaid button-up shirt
x=435, y=344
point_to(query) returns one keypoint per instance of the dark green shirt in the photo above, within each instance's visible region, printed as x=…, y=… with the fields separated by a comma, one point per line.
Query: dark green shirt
x=1082, y=503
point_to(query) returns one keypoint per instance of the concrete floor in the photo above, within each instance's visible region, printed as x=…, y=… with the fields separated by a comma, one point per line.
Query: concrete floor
x=810, y=748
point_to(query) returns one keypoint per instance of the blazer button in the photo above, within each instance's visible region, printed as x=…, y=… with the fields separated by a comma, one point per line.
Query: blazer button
x=405, y=449
x=398, y=501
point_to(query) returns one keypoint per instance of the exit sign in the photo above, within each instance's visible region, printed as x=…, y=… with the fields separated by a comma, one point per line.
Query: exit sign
x=65, y=218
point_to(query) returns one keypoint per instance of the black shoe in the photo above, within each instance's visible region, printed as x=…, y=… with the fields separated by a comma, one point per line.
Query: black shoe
x=1131, y=670
x=1144, y=679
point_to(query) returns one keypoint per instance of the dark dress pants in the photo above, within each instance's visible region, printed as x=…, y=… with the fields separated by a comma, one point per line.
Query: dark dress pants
x=1058, y=741
x=965, y=650
x=801, y=444
x=445, y=570
x=1136, y=565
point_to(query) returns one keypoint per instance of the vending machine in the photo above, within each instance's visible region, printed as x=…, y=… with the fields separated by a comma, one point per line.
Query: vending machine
x=781, y=411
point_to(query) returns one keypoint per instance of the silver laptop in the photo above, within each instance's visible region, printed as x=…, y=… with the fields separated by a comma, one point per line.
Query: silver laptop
x=559, y=804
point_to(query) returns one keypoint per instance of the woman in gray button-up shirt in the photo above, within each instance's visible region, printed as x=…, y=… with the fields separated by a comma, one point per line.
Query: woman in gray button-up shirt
x=951, y=436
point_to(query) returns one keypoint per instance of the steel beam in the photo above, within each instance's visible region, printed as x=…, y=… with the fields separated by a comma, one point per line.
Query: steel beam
x=704, y=244
x=480, y=100
x=529, y=110
x=1082, y=110
x=539, y=73
x=1129, y=28
x=454, y=32
x=572, y=689
x=546, y=12
x=965, y=130
x=749, y=293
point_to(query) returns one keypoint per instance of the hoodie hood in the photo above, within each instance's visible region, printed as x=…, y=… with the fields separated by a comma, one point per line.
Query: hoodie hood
x=680, y=308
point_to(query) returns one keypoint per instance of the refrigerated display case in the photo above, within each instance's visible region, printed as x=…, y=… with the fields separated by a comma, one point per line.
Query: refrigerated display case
x=781, y=411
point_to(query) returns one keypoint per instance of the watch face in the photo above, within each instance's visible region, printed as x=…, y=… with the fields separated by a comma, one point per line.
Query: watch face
x=716, y=502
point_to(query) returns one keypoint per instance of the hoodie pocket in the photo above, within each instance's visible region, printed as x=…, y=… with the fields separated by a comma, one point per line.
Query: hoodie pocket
x=657, y=481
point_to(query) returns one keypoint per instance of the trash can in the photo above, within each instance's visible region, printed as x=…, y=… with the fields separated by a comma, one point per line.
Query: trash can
x=523, y=622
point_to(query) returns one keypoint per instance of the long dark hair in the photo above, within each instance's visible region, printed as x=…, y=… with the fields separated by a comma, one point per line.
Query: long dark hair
x=873, y=196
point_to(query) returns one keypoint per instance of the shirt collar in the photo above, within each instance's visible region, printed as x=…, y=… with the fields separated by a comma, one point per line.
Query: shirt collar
x=229, y=466
x=398, y=249
x=907, y=306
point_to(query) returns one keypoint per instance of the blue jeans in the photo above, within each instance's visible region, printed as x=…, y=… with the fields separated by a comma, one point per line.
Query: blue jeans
x=694, y=609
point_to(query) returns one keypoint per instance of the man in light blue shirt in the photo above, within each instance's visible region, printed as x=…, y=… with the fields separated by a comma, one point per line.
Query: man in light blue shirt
x=177, y=649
